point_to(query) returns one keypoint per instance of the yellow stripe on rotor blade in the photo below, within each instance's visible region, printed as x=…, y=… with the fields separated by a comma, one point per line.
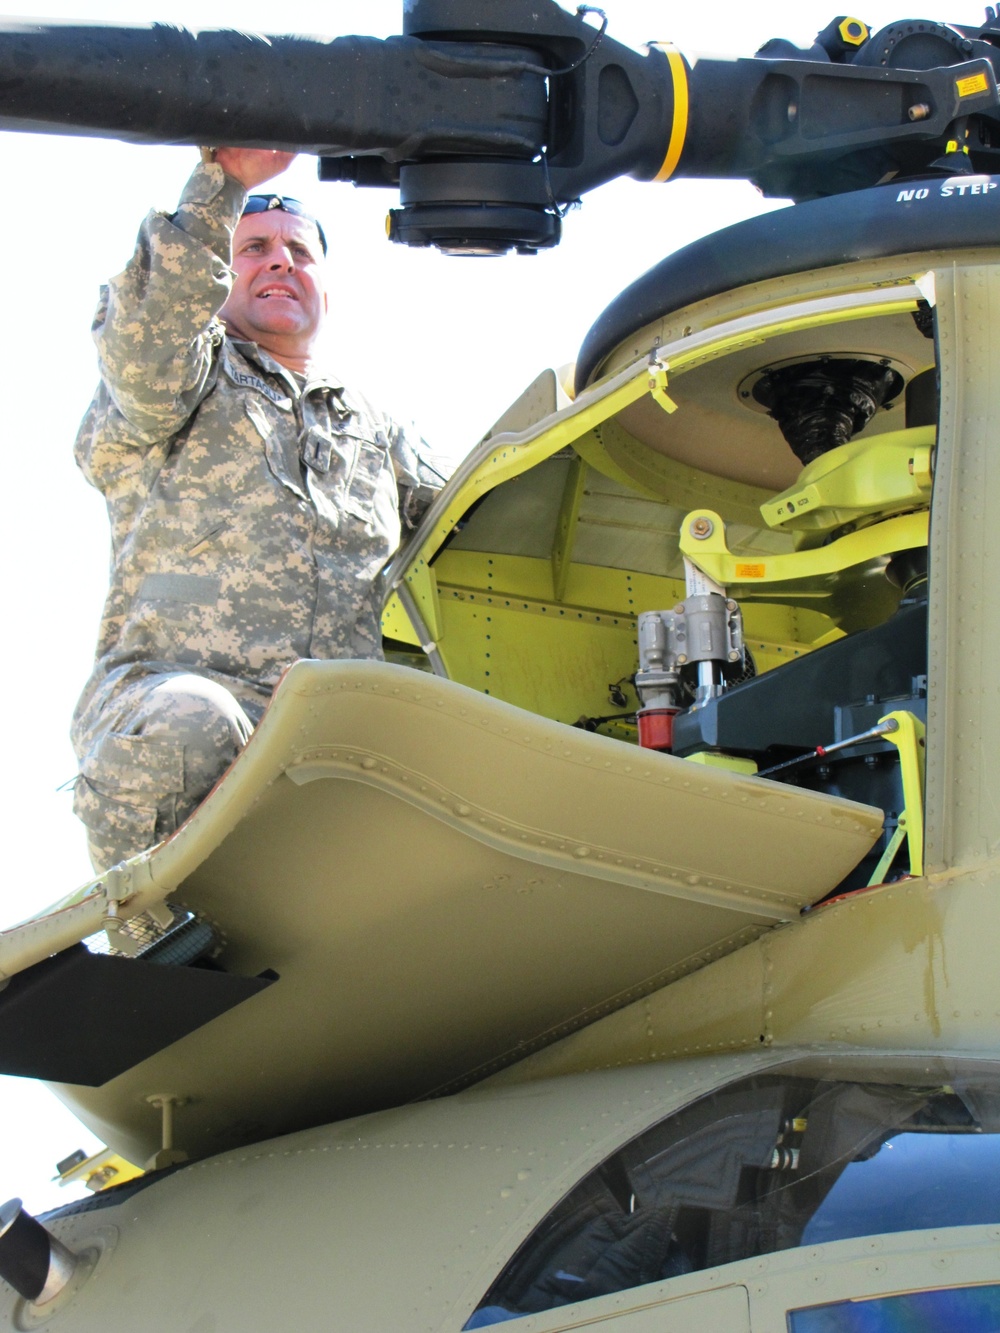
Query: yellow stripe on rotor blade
x=678, y=130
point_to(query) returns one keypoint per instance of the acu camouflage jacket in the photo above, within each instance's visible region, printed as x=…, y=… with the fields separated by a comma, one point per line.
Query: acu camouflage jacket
x=251, y=514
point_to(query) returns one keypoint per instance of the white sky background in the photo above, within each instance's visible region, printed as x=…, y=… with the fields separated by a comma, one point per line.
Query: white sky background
x=447, y=342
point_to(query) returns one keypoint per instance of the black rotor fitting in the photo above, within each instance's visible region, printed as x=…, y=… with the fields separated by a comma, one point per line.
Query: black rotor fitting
x=822, y=404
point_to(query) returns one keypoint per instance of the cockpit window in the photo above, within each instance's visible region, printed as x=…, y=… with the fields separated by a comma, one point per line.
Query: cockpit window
x=766, y=1164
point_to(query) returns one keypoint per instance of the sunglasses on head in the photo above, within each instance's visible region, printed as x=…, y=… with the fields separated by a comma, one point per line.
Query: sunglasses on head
x=263, y=203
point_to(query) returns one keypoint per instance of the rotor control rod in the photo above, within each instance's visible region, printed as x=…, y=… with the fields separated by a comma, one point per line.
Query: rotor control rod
x=821, y=751
x=33, y=1261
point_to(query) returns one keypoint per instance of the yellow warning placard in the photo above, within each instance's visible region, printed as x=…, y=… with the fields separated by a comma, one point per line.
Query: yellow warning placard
x=975, y=83
x=758, y=571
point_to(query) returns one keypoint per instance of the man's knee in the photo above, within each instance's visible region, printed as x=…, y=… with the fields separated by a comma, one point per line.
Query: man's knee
x=199, y=717
x=164, y=745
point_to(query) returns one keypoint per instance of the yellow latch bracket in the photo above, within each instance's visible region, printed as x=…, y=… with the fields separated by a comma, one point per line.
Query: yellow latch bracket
x=909, y=739
x=658, y=387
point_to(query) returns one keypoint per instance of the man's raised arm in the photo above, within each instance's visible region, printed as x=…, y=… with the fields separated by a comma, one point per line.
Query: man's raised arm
x=157, y=326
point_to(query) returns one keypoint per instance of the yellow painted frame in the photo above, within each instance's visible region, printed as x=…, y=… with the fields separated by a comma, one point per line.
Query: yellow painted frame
x=449, y=590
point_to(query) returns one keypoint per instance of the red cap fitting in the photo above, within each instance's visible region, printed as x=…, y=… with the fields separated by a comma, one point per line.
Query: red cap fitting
x=656, y=728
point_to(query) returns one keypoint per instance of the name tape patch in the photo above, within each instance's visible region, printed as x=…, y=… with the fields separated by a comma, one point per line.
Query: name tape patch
x=247, y=380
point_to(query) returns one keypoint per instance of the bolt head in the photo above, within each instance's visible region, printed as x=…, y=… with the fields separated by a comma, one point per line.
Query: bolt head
x=701, y=528
x=853, y=32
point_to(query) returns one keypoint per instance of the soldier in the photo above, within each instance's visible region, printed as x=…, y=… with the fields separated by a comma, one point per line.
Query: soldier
x=253, y=499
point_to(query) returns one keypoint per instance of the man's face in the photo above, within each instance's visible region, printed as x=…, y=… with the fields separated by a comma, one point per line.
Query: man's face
x=279, y=296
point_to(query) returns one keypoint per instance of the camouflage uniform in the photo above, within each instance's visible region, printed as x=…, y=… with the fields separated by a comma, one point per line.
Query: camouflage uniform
x=251, y=514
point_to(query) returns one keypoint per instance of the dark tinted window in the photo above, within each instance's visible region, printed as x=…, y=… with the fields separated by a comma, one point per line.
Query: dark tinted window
x=766, y=1164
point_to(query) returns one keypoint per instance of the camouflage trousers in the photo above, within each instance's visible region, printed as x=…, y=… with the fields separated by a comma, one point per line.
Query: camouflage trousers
x=153, y=755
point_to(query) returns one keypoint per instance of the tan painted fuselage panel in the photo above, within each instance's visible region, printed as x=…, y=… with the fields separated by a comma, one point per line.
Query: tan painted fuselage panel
x=444, y=883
